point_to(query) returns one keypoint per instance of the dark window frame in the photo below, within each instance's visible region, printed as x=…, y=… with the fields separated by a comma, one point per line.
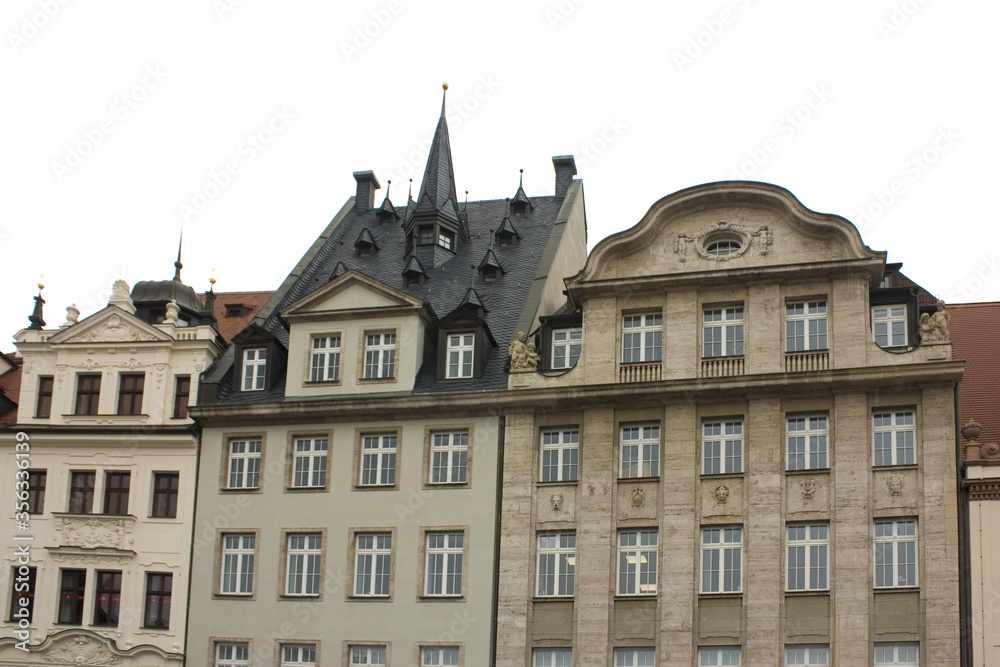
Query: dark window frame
x=88, y=393
x=116, y=495
x=156, y=603
x=130, y=388
x=165, y=496
x=36, y=491
x=29, y=593
x=43, y=407
x=107, y=597
x=182, y=390
x=81, y=493
x=72, y=591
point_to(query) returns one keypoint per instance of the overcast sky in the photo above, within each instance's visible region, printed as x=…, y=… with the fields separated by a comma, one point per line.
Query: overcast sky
x=242, y=120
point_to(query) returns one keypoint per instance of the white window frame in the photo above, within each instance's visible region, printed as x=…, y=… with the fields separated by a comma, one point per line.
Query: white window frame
x=324, y=359
x=244, y=463
x=445, y=239
x=637, y=562
x=559, y=459
x=894, y=431
x=552, y=657
x=889, y=325
x=380, y=355
x=363, y=656
x=806, y=326
x=807, y=440
x=808, y=557
x=722, y=559
x=444, y=564
x=461, y=350
x=807, y=655
x=719, y=656
x=442, y=656
x=309, y=462
x=895, y=554
x=722, y=447
x=723, y=330
x=567, y=345
x=239, y=552
x=378, y=459
x=298, y=655
x=642, y=338
x=232, y=651
x=638, y=656
x=639, y=451
x=449, y=457
x=373, y=565
x=889, y=654
x=304, y=564
x=254, y=368
x=556, y=564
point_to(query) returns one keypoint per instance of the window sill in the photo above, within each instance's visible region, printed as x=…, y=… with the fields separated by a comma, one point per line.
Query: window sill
x=638, y=596
x=704, y=596
x=369, y=598
x=626, y=480
x=376, y=380
x=896, y=589
x=376, y=487
x=306, y=489
x=900, y=466
x=559, y=598
x=447, y=485
x=322, y=383
x=571, y=482
x=241, y=489
x=441, y=598
x=234, y=596
x=801, y=594
x=808, y=471
x=164, y=519
x=722, y=475
x=101, y=419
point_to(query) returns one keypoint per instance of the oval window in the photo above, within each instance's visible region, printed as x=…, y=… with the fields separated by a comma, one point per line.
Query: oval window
x=723, y=247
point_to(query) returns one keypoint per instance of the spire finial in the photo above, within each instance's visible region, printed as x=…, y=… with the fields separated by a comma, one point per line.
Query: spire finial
x=491, y=238
x=520, y=183
x=211, y=281
x=388, y=186
x=444, y=95
x=177, y=265
x=466, y=202
x=36, y=315
x=409, y=195
x=472, y=278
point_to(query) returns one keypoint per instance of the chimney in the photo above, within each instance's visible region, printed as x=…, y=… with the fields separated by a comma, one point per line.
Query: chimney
x=367, y=185
x=565, y=167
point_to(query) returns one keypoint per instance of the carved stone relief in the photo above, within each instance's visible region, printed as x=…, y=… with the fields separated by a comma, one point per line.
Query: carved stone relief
x=723, y=229
x=116, y=330
x=82, y=650
x=808, y=487
x=721, y=493
x=895, y=485
x=638, y=497
x=556, y=500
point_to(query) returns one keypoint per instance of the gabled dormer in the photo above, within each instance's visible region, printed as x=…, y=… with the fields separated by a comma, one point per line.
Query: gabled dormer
x=506, y=235
x=464, y=340
x=414, y=274
x=520, y=204
x=365, y=246
x=386, y=213
x=259, y=360
x=490, y=268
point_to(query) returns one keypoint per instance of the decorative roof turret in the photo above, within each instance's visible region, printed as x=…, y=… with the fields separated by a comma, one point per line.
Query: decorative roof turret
x=338, y=270
x=365, y=245
x=414, y=267
x=386, y=212
x=37, y=322
x=521, y=203
x=506, y=234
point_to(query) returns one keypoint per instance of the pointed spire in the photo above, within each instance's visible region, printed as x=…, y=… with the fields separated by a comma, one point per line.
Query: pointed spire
x=177, y=265
x=437, y=190
x=386, y=211
x=36, y=316
x=473, y=300
x=521, y=201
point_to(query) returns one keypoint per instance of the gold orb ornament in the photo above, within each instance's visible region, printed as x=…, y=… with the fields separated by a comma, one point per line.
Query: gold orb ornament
x=444, y=86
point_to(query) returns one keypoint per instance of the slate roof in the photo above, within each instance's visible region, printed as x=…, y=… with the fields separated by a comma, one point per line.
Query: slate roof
x=975, y=339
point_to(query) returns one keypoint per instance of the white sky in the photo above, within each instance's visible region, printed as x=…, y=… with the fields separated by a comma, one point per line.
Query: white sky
x=651, y=97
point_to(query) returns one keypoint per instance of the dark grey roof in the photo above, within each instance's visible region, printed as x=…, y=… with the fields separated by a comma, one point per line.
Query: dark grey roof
x=161, y=291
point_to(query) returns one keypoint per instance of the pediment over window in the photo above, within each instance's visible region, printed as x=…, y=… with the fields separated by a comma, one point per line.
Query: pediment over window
x=353, y=295
x=111, y=325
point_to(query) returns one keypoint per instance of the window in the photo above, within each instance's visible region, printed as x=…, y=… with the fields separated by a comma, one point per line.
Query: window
x=36, y=491
x=446, y=239
x=434, y=656
x=244, y=464
x=130, y=393
x=808, y=564
x=309, y=463
x=182, y=394
x=640, y=451
x=556, y=564
x=380, y=355
x=807, y=442
x=893, y=434
x=372, y=564
x=805, y=326
x=72, y=586
x=378, y=460
x=902, y=655
x=721, y=560
x=637, y=562
x=895, y=553
x=723, y=247
x=642, y=337
x=254, y=367
x=723, y=332
x=237, y=564
x=305, y=553
x=81, y=491
x=43, y=409
x=116, y=487
x=553, y=657
x=813, y=656
x=889, y=325
x=367, y=655
x=719, y=656
x=449, y=457
x=22, y=588
x=232, y=654
x=300, y=655
x=566, y=347
x=460, y=351
x=108, y=599
x=165, y=485
x=445, y=552
x=425, y=234
x=325, y=359
x=156, y=611
x=635, y=657
x=88, y=393
x=722, y=447
x=560, y=455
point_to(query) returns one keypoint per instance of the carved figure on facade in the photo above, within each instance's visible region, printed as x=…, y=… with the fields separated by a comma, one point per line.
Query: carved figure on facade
x=935, y=328
x=638, y=497
x=721, y=493
x=724, y=230
x=173, y=310
x=116, y=330
x=556, y=500
x=808, y=487
x=93, y=533
x=121, y=296
x=83, y=650
x=72, y=316
x=522, y=355
x=895, y=485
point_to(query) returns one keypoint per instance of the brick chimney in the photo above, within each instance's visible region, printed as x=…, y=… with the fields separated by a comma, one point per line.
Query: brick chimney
x=565, y=167
x=367, y=185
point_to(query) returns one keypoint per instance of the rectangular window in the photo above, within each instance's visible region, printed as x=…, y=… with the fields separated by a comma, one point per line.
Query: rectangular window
x=325, y=359
x=182, y=394
x=72, y=586
x=893, y=433
x=461, y=348
x=165, y=486
x=721, y=560
x=380, y=355
x=637, y=550
x=232, y=654
x=895, y=553
x=635, y=657
x=808, y=562
x=807, y=442
x=900, y=655
x=723, y=329
x=889, y=325
x=566, y=347
x=237, y=564
x=446, y=239
x=378, y=460
x=108, y=588
x=298, y=655
x=425, y=234
x=719, y=656
x=811, y=656
x=36, y=491
x=309, y=463
x=642, y=337
x=254, y=368
x=81, y=491
x=556, y=564
x=640, y=451
x=449, y=457
x=722, y=447
x=372, y=564
x=445, y=553
x=130, y=393
x=362, y=656
x=560, y=456
x=305, y=553
x=88, y=393
x=116, y=488
x=22, y=589
x=244, y=464
x=439, y=656
x=553, y=657
x=43, y=409
x=156, y=610
x=805, y=326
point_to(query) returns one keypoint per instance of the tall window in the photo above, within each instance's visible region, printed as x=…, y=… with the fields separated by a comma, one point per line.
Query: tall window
x=378, y=460
x=108, y=599
x=116, y=488
x=372, y=564
x=130, y=393
x=811, y=656
x=807, y=442
x=88, y=393
x=298, y=655
x=640, y=451
x=254, y=368
x=43, y=409
x=642, y=337
x=461, y=348
x=560, y=455
x=895, y=553
x=899, y=655
x=156, y=610
x=22, y=587
x=425, y=234
x=805, y=326
x=309, y=463
x=449, y=457
x=722, y=447
x=445, y=553
x=325, y=359
x=439, y=656
x=232, y=654
x=72, y=586
x=81, y=491
x=36, y=491
x=165, y=486
x=723, y=329
x=362, y=656
x=380, y=355
x=244, y=464
x=237, y=564
x=889, y=325
x=566, y=347
x=721, y=560
x=182, y=394
x=556, y=564
x=305, y=552
x=635, y=657
x=553, y=657
x=719, y=656
x=808, y=563
x=637, y=550
x=893, y=434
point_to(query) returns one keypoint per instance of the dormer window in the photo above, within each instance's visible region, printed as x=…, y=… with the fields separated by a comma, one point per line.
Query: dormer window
x=889, y=325
x=461, y=350
x=254, y=368
x=446, y=239
x=489, y=274
x=235, y=310
x=566, y=347
x=425, y=235
x=723, y=247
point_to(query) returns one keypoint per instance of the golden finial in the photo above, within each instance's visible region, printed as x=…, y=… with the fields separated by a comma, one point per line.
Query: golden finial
x=211, y=279
x=41, y=277
x=444, y=86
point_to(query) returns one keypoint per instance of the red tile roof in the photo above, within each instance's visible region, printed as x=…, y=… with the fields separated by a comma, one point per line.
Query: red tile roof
x=10, y=389
x=251, y=302
x=975, y=338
